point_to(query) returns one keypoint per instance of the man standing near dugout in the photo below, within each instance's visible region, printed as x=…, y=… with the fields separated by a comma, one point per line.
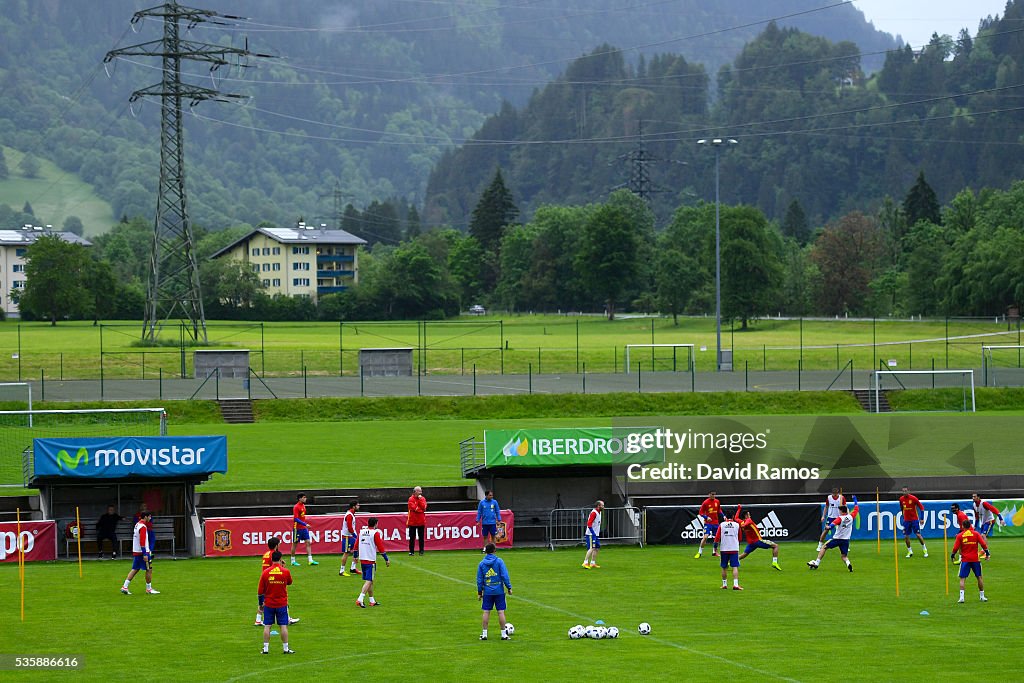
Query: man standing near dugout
x=488, y=516
x=416, y=524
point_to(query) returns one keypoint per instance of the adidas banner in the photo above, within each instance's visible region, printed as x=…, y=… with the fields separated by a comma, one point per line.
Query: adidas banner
x=678, y=524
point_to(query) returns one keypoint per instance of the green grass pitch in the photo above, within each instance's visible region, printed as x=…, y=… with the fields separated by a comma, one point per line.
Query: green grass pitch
x=790, y=625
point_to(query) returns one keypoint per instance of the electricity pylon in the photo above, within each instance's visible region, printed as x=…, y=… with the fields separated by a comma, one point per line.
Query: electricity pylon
x=173, y=289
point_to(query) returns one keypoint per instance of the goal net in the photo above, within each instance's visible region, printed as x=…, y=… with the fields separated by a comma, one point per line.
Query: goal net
x=1002, y=366
x=659, y=357
x=19, y=427
x=932, y=390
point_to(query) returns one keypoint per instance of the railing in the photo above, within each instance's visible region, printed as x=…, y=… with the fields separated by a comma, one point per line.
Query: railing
x=618, y=525
x=471, y=456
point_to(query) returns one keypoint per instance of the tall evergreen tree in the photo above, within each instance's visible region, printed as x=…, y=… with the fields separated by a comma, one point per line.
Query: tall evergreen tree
x=921, y=204
x=3, y=165
x=795, y=224
x=492, y=214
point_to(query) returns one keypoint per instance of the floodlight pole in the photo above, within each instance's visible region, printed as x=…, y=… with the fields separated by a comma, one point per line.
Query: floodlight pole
x=717, y=143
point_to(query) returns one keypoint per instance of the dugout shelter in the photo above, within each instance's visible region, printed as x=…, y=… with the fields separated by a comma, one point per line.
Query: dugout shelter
x=90, y=473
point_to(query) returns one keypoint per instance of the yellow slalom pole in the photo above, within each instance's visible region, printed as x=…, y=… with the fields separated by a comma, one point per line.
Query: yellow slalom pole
x=78, y=536
x=21, y=562
x=945, y=552
x=896, y=556
x=878, y=516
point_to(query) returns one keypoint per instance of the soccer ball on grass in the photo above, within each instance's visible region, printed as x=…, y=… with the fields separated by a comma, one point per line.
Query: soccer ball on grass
x=613, y=632
x=644, y=629
x=510, y=629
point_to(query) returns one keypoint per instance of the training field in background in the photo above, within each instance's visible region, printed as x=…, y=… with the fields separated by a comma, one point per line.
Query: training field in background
x=791, y=625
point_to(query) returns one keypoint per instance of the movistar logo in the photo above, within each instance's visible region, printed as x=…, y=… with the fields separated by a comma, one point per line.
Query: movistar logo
x=516, y=448
x=63, y=458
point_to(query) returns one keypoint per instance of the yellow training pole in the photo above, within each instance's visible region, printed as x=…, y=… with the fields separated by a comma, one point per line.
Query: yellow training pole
x=21, y=562
x=896, y=556
x=78, y=536
x=878, y=516
x=945, y=552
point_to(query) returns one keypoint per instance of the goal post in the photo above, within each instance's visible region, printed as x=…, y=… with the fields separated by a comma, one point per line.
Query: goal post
x=19, y=427
x=884, y=380
x=990, y=356
x=687, y=367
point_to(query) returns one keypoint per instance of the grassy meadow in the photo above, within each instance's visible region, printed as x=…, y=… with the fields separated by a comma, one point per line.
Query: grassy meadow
x=201, y=625
x=54, y=195
x=516, y=344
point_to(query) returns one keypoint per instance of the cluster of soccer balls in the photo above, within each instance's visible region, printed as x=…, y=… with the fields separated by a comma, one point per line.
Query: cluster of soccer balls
x=600, y=632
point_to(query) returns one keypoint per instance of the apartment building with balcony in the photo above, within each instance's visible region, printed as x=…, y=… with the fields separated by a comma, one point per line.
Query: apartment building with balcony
x=303, y=261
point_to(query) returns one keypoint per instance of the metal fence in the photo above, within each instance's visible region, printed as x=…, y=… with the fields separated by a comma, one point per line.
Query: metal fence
x=618, y=525
x=309, y=386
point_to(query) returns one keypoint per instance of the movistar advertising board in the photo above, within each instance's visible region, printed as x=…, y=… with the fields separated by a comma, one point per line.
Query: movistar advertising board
x=557, y=447
x=118, y=457
x=936, y=516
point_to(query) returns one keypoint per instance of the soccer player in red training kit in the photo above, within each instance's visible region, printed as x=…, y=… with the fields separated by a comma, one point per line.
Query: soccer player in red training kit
x=967, y=542
x=371, y=542
x=841, y=536
x=141, y=554
x=592, y=536
x=273, y=589
x=268, y=559
x=962, y=520
x=754, y=540
x=728, y=534
x=985, y=513
x=300, y=530
x=349, y=539
x=711, y=512
x=909, y=505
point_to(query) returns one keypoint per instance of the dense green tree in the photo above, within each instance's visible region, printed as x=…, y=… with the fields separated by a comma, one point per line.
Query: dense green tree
x=848, y=254
x=74, y=224
x=103, y=289
x=608, y=255
x=4, y=171
x=794, y=223
x=466, y=264
x=494, y=211
x=921, y=204
x=928, y=248
x=29, y=166
x=751, y=264
x=55, y=275
x=228, y=285
x=677, y=275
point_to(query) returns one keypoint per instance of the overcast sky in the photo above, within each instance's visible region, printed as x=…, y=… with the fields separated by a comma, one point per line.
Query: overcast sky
x=916, y=20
